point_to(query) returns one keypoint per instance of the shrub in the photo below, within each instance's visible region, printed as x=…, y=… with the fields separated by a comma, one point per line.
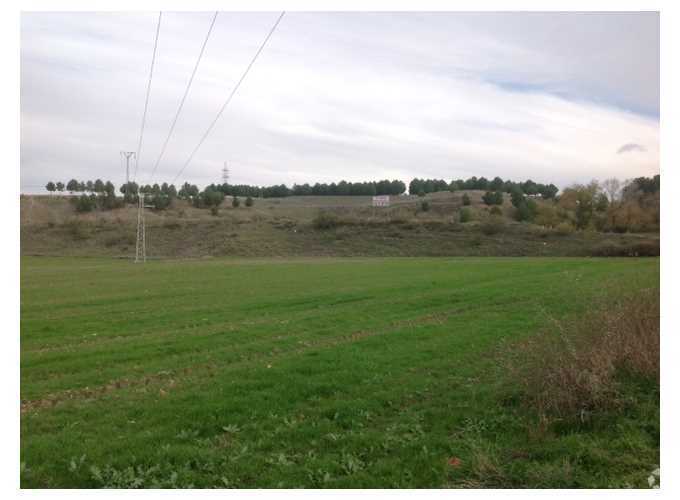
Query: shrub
x=249, y=201
x=325, y=220
x=649, y=248
x=421, y=193
x=564, y=229
x=466, y=200
x=465, y=215
x=496, y=210
x=85, y=203
x=493, y=198
x=547, y=215
x=492, y=225
x=235, y=202
x=215, y=210
x=425, y=206
x=108, y=201
x=575, y=368
x=210, y=197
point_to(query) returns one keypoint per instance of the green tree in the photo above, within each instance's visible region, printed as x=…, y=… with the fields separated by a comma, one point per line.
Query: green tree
x=51, y=187
x=72, y=186
x=210, y=197
x=516, y=196
x=601, y=202
x=526, y=210
x=496, y=184
x=160, y=201
x=129, y=191
x=60, y=186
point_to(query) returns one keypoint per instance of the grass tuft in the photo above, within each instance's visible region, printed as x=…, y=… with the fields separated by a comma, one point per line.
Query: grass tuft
x=575, y=368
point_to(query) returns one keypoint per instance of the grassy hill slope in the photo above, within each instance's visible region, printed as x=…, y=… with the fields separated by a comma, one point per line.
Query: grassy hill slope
x=285, y=227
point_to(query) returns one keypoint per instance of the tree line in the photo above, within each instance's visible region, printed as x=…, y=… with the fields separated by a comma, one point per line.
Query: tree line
x=497, y=184
x=75, y=186
x=610, y=205
x=342, y=188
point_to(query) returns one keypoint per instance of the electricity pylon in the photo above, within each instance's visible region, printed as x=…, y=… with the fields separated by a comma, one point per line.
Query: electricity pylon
x=140, y=249
x=127, y=155
x=225, y=174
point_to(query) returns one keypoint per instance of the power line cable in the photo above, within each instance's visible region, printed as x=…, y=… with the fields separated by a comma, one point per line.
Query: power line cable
x=231, y=95
x=181, y=104
x=146, y=102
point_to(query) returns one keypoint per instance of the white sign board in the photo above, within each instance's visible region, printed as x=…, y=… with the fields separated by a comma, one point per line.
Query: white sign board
x=381, y=201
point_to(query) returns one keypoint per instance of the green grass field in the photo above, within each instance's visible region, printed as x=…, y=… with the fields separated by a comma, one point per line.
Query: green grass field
x=308, y=373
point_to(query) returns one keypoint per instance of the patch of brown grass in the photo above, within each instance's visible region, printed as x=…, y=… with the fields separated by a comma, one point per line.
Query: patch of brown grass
x=573, y=368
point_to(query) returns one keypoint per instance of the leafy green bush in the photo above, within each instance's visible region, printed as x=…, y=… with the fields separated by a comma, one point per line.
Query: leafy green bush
x=466, y=200
x=235, y=202
x=85, y=203
x=249, y=201
x=493, y=198
x=465, y=215
x=425, y=206
x=564, y=228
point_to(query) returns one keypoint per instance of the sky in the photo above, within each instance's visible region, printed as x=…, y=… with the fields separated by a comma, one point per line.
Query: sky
x=554, y=97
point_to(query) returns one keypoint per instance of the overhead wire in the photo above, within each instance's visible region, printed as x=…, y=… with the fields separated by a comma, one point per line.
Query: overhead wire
x=229, y=98
x=184, y=97
x=146, y=101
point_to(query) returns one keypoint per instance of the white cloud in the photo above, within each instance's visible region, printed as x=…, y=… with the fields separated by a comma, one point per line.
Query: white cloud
x=354, y=96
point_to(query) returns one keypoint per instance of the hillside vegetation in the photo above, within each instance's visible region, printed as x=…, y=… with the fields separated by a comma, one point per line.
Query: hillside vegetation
x=433, y=224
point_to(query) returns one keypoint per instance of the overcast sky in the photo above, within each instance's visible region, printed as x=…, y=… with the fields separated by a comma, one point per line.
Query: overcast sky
x=555, y=97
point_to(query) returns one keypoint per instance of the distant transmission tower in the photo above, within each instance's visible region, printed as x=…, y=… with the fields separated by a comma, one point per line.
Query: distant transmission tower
x=225, y=174
x=127, y=155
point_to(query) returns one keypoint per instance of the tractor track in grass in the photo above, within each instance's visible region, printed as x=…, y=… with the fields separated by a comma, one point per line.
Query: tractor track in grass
x=166, y=380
